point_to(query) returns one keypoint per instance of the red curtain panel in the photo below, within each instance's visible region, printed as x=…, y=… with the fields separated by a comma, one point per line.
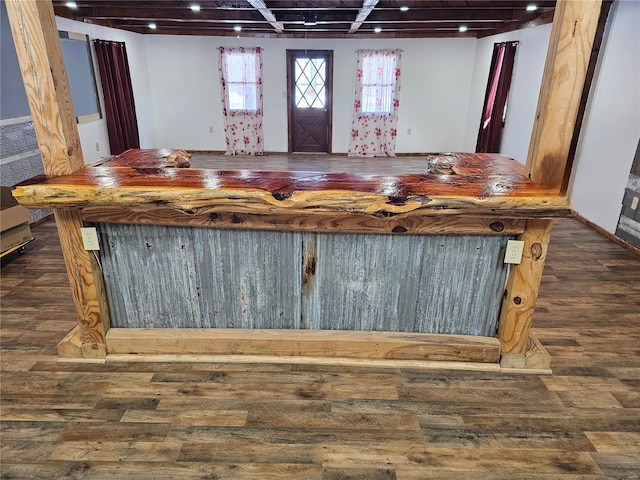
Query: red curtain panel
x=495, y=100
x=120, y=109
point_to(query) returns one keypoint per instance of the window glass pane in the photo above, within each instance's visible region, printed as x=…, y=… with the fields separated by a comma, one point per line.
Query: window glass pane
x=378, y=83
x=242, y=96
x=309, y=77
x=242, y=77
x=235, y=67
x=250, y=102
x=236, y=96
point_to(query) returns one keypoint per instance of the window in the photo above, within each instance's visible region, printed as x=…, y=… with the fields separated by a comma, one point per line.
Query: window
x=242, y=76
x=378, y=70
x=375, y=113
x=310, y=80
x=241, y=82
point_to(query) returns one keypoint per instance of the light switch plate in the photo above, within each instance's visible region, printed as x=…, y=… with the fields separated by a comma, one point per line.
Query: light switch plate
x=514, y=252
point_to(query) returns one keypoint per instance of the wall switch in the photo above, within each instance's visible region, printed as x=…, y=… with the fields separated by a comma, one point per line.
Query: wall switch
x=97, y=146
x=210, y=129
x=634, y=203
x=90, y=238
x=408, y=131
x=514, y=252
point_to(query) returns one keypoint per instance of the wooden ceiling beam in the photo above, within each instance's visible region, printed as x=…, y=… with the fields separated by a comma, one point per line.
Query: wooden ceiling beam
x=267, y=14
x=424, y=19
x=443, y=14
x=505, y=27
x=367, y=7
x=160, y=14
x=288, y=16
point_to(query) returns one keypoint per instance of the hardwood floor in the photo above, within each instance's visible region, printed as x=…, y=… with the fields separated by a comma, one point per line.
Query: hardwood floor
x=309, y=162
x=292, y=421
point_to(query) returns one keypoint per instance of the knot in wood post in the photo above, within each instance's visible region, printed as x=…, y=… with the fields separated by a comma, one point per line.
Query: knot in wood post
x=497, y=226
x=536, y=251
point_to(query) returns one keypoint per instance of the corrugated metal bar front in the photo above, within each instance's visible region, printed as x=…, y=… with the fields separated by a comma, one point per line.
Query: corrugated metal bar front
x=406, y=283
x=160, y=276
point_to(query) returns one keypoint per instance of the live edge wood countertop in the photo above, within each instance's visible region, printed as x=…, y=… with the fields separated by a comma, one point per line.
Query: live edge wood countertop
x=461, y=184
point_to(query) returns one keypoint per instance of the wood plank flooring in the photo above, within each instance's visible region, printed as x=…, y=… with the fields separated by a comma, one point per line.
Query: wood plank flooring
x=291, y=421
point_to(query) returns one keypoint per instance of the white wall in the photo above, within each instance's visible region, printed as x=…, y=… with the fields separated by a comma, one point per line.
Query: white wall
x=185, y=89
x=525, y=88
x=177, y=90
x=96, y=131
x=611, y=127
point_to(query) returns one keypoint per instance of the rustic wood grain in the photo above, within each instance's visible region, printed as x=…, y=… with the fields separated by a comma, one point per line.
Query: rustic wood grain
x=574, y=28
x=310, y=221
x=522, y=289
x=257, y=419
x=309, y=343
x=535, y=357
x=45, y=80
x=87, y=288
x=41, y=63
x=138, y=178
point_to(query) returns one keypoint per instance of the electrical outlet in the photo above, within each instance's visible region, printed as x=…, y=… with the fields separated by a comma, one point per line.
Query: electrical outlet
x=90, y=238
x=97, y=146
x=514, y=252
x=408, y=131
x=634, y=203
x=210, y=129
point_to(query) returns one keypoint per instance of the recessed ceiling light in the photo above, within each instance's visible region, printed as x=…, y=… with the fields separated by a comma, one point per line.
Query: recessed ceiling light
x=237, y=28
x=71, y=4
x=152, y=26
x=195, y=7
x=532, y=7
x=377, y=29
x=462, y=28
x=404, y=8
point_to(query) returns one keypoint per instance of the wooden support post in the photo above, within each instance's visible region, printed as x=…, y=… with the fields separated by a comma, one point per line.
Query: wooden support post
x=522, y=289
x=574, y=27
x=40, y=56
x=87, y=287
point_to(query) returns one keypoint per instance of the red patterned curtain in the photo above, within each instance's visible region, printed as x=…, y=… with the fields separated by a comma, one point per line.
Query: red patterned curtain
x=241, y=81
x=495, y=100
x=375, y=115
x=120, y=109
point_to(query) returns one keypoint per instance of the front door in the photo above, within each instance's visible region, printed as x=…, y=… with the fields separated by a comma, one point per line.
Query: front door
x=309, y=79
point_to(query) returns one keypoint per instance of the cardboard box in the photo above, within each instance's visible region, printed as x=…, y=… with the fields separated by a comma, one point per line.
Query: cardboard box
x=14, y=221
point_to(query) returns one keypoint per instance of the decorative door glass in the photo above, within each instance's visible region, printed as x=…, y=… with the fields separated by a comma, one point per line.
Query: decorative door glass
x=310, y=76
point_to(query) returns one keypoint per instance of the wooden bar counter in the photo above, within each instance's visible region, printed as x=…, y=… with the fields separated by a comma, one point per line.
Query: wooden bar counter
x=283, y=265
x=450, y=184
x=395, y=266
